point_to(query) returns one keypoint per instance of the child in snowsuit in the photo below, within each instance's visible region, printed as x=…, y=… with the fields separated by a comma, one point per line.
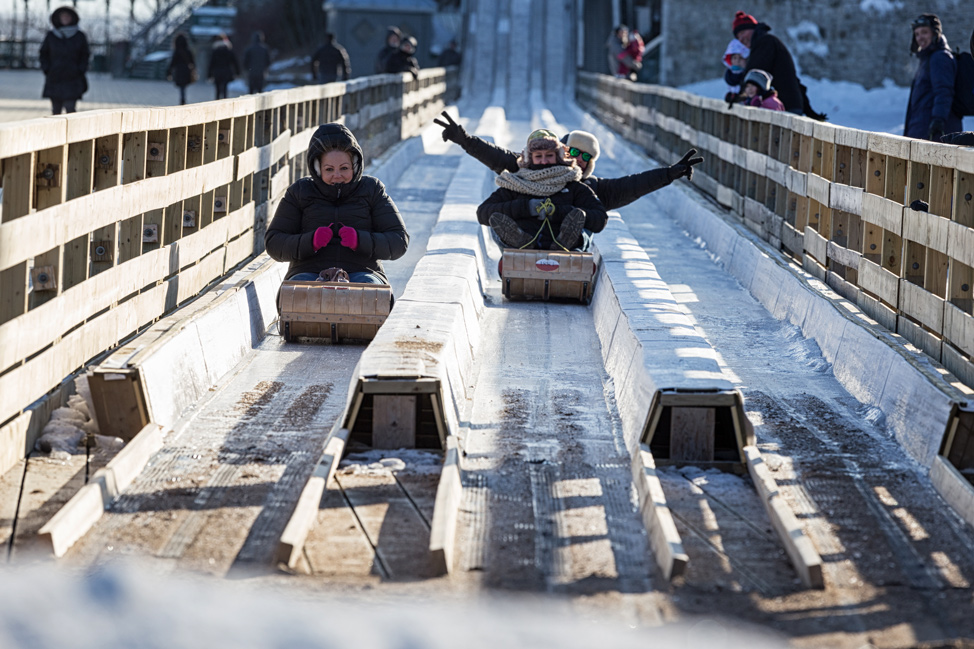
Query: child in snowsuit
x=759, y=93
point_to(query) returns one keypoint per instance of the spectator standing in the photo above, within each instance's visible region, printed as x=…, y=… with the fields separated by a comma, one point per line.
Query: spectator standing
x=928, y=113
x=182, y=66
x=450, y=56
x=768, y=53
x=224, y=67
x=393, y=38
x=330, y=63
x=404, y=60
x=257, y=58
x=615, y=45
x=631, y=58
x=64, y=59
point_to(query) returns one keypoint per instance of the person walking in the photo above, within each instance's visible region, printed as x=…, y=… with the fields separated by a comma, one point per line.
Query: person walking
x=450, y=56
x=615, y=46
x=257, y=58
x=182, y=66
x=330, y=63
x=393, y=37
x=224, y=67
x=928, y=112
x=64, y=59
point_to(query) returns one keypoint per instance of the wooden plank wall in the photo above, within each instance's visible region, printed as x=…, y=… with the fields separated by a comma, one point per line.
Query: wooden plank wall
x=111, y=219
x=835, y=199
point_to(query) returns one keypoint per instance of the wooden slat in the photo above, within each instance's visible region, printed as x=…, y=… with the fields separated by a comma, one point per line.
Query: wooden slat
x=393, y=421
x=446, y=511
x=804, y=557
x=664, y=539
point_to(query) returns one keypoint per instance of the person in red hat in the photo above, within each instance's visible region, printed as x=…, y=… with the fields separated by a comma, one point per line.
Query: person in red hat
x=768, y=53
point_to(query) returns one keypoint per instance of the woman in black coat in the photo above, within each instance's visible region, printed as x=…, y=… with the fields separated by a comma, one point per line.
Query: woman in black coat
x=224, y=66
x=64, y=60
x=182, y=66
x=336, y=217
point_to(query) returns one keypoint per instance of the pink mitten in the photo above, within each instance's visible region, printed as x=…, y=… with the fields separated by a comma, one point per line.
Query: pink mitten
x=349, y=237
x=322, y=237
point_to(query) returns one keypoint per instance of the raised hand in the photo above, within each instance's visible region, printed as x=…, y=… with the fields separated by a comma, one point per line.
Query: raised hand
x=685, y=166
x=452, y=132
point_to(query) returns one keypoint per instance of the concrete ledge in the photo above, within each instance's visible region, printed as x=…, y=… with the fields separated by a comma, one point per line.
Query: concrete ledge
x=84, y=509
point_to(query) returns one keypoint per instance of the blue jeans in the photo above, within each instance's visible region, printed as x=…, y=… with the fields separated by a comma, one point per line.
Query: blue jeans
x=361, y=277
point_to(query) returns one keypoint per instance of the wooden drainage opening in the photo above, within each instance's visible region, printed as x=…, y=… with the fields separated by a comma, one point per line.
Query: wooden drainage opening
x=706, y=428
x=398, y=413
x=958, y=445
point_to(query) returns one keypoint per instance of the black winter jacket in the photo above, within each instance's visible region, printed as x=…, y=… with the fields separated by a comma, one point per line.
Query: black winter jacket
x=612, y=192
x=224, y=66
x=330, y=63
x=515, y=205
x=64, y=58
x=768, y=53
x=181, y=66
x=362, y=204
x=399, y=61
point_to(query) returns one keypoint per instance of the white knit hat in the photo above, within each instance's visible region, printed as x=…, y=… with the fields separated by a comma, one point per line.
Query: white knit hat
x=586, y=142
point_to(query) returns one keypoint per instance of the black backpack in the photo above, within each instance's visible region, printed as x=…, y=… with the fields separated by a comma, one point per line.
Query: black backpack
x=964, y=85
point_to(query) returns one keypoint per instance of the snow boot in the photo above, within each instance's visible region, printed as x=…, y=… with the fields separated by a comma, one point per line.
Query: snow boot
x=570, y=231
x=507, y=230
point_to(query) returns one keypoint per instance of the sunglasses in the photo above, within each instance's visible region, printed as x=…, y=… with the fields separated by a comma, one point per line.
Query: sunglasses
x=578, y=153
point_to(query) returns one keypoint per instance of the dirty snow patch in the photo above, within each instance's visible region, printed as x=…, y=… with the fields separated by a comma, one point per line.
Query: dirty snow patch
x=383, y=461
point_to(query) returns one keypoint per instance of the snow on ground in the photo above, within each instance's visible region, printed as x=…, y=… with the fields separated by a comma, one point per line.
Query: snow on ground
x=119, y=606
x=881, y=109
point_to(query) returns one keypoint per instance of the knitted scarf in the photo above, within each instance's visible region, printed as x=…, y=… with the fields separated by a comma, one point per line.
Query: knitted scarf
x=539, y=182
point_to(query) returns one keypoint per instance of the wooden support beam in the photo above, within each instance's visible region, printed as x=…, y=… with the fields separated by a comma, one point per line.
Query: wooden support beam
x=446, y=511
x=664, y=539
x=804, y=557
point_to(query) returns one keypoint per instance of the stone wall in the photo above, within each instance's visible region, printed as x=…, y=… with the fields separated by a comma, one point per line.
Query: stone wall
x=863, y=41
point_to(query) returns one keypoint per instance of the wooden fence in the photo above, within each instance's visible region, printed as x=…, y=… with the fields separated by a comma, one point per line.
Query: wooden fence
x=111, y=219
x=836, y=199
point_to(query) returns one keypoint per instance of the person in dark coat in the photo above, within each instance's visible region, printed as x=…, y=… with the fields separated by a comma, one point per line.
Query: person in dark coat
x=336, y=217
x=963, y=138
x=393, y=37
x=257, y=58
x=928, y=113
x=182, y=66
x=404, y=59
x=224, y=67
x=330, y=62
x=768, y=53
x=64, y=59
x=543, y=205
x=450, y=56
x=612, y=192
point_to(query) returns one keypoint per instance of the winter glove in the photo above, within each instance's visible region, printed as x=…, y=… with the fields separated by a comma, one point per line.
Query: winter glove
x=936, y=129
x=349, y=237
x=685, y=166
x=322, y=237
x=452, y=132
x=731, y=98
x=541, y=207
x=920, y=206
x=964, y=138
